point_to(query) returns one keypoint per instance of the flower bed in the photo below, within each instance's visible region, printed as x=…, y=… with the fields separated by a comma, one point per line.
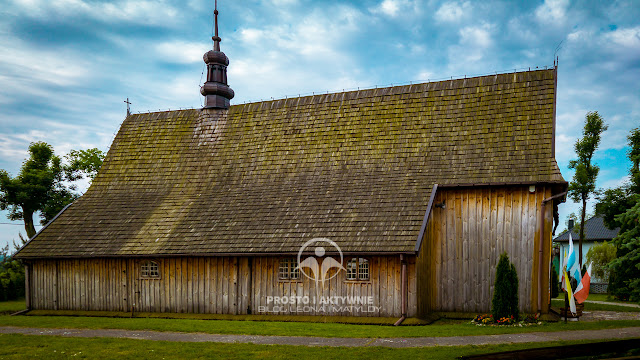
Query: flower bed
x=488, y=320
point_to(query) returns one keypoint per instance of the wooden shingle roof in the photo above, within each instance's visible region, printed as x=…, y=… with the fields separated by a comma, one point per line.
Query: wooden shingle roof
x=356, y=167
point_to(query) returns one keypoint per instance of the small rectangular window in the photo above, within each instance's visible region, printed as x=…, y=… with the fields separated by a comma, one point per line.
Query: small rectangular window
x=150, y=270
x=352, y=269
x=288, y=269
x=363, y=269
x=358, y=269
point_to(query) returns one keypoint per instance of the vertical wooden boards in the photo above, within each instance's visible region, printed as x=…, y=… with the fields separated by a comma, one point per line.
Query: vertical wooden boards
x=412, y=308
x=463, y=243
x=547, y=250
x=209, y=285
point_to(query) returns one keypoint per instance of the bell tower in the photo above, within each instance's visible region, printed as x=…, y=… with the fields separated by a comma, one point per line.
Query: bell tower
x=215, y=90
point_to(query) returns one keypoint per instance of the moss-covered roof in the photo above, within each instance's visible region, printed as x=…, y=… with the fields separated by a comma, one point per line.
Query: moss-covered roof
x=356, y=167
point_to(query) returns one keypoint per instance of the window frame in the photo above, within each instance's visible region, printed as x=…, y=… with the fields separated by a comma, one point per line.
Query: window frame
x=358, y=277
x=149, y=276
x=291, y=265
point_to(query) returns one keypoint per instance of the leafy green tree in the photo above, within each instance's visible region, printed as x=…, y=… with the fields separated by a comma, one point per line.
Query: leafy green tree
x=613, y=202
x=600, y=256
x=555, y=291
x=634, y=156
x=80, y=164
x=40, y=186
x=30, y=190
x=616, y=201
x=625, y=277
x=11, y=274
x=505, y=294
x=583, y=184
x=83, y=163
x=59, y=197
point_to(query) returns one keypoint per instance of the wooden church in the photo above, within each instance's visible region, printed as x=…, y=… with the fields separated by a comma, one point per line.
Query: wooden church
x=415, y=191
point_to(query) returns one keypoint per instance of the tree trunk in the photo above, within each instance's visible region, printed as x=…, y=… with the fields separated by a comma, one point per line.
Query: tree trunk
x=584, y=214
x=28, y=223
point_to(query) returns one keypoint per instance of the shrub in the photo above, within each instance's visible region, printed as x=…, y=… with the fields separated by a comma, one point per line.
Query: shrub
x=505, y=295
x=554, y=283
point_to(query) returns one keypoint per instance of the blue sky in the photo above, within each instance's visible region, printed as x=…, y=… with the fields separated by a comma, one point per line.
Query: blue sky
x=66, y=66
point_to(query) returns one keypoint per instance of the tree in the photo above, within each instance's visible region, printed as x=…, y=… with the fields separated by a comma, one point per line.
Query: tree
x=30, y=190
x=12, y=284
x=600, y=255
x=40, y=186
x=634, y=156
x=555, y=291
x=83, y=163
x=505, y=293
x=586, y=172
x=616, y=201
x=625, y=279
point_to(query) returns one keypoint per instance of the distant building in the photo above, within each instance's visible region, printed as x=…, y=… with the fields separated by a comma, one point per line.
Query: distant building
x=595, y=232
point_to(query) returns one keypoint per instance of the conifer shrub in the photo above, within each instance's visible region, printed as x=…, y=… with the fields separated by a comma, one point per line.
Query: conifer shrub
x=505, y=294
x=555, y=291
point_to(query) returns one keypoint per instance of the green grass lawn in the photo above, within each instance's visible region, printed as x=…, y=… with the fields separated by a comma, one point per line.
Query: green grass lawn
x=606, y=297
x=53, y=347
x=599, y=297
x=9, y=307
x=593, y=306
x=443, y=327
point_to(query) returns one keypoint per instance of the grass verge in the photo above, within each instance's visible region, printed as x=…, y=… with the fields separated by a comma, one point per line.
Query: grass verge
x=598, y=307
x=607, y=298
x=10, y=307
x=445, y=327
x=14, y=346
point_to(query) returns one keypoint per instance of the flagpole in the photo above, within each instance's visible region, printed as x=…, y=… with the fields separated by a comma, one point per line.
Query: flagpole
x=566, y=306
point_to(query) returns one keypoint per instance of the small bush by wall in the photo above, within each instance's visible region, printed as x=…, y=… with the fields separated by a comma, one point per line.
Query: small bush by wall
x=505, y=295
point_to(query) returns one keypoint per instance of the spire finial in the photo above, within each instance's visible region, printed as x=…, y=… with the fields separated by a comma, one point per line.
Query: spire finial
x=216, y=91
x=216, y=39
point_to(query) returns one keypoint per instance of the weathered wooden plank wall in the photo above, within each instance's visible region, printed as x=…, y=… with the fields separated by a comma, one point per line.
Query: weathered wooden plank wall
x=463, y=242
x=217, y=285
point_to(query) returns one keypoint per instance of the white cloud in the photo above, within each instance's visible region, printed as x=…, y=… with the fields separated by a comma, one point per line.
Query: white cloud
x=628, y=38
x=453, y=12
x=395, y=8
x=278, y=57
x=579, y=35
x=477, y=36
x=552, y=12
x=23, y=64
x=613, y=183
x=424, y=75
x=130, y=11
x=181, y=52
x=284, y=2
x=475, y=42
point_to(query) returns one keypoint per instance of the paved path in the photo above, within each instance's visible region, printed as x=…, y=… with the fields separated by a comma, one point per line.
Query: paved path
x=598, y=315
x=603, y=334
x=613, y=303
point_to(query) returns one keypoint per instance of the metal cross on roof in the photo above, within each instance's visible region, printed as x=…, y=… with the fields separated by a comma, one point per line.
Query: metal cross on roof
x=128, y=108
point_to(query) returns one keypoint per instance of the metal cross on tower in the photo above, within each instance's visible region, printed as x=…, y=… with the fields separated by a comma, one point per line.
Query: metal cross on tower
x=128, y=108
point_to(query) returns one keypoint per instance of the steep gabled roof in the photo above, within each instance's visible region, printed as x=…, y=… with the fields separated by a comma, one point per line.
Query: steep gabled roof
x=356, y=167
x=594, y=231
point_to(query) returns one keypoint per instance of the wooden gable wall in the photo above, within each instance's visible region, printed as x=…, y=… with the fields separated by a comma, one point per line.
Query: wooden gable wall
x=463, y=242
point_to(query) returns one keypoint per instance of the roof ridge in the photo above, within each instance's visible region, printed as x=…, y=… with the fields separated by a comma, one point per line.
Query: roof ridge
x=369, y=92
